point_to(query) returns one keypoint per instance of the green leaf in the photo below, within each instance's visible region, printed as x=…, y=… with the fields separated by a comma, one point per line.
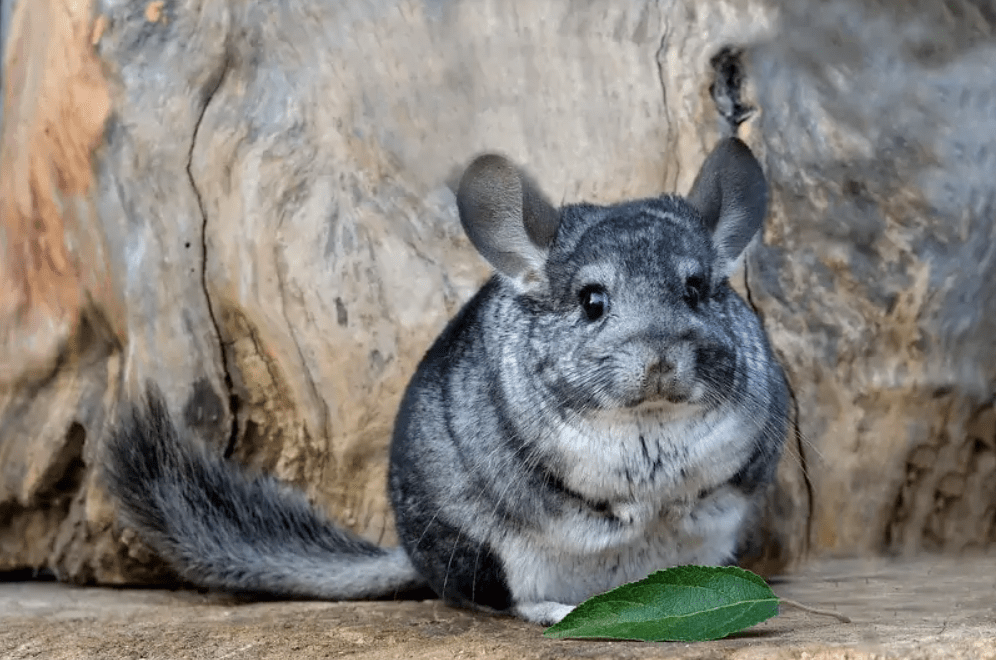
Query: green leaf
x=686, y=604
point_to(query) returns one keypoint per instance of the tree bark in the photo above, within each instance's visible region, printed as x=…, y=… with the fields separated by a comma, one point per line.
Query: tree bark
x=250, y=204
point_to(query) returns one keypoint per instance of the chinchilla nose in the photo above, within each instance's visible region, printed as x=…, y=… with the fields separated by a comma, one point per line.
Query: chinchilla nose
x=666, y=354
x=667, y=372
x=657, y=366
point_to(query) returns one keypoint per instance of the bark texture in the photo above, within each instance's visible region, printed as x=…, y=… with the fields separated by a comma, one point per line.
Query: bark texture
x=251, y=204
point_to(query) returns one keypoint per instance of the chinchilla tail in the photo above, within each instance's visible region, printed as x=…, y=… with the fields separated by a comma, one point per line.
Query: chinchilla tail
x=219, y=527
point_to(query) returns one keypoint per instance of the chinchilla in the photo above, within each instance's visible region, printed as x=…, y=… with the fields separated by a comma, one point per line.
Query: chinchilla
x=605, y=406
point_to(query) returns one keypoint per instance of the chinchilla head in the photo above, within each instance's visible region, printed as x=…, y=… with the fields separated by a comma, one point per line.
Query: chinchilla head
x=627, y=305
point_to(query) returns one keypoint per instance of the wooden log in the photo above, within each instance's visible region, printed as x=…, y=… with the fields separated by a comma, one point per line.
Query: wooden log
x=249, y=204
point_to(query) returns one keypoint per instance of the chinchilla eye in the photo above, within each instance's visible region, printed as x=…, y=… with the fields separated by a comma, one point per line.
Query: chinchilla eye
x=594, y=301
x=694, y=290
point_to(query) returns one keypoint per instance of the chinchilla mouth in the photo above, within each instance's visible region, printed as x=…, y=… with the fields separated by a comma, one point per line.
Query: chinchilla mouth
x=661, y=395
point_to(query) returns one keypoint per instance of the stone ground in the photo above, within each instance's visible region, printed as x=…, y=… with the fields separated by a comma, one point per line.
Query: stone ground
x=927, y=608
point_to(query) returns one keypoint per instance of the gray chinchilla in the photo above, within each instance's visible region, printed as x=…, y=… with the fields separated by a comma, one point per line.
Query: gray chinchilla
x=605, y=406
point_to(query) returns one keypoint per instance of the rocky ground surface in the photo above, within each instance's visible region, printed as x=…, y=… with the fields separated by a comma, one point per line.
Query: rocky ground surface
x=928, y=608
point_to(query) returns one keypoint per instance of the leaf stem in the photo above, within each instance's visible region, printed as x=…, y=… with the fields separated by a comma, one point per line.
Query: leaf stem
x=812, y=610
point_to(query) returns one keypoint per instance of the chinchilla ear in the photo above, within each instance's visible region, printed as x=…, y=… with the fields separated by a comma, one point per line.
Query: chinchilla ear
x=507, y=218
x=731, y=195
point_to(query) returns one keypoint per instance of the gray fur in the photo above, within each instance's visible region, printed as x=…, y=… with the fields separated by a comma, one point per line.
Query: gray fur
x=731, y=196
x=506, y=217
x=220, y=527
x=543, y=452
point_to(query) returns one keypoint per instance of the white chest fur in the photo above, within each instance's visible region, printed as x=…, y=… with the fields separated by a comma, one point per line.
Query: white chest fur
x=548, y=566
x=667, y=505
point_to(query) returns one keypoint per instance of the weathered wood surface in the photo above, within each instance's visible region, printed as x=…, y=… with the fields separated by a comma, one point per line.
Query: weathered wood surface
x=248, y=203
x=930, y=608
